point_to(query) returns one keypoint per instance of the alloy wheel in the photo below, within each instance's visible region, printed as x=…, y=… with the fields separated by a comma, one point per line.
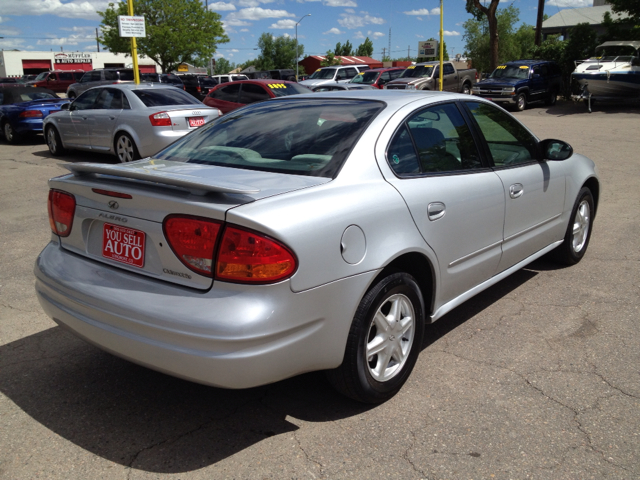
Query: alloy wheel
x=581, y=224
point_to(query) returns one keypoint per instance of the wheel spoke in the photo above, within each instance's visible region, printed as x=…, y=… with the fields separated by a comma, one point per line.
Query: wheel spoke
x=375, y=346
x=381, y=322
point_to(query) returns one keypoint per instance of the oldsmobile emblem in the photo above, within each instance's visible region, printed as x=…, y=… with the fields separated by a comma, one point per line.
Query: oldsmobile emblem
x=113, y=205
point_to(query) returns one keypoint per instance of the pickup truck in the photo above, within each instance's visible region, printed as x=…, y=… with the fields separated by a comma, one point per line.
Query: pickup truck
x=521, y=82
x=425, y=76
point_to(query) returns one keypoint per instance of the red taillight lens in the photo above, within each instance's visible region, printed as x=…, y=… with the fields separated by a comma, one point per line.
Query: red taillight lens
x=160, y=119
x=193, y=240
x=31, y=114
x=248, y=257
x=62, y=207
x=199, y=89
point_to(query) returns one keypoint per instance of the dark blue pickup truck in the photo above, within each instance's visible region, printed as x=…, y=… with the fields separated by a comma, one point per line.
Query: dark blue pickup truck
x=521, y=82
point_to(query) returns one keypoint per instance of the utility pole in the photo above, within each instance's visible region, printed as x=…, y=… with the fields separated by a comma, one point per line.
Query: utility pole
x=408, y=53
x=97, y=40
x=389, y=42
x=383, y=53
x=538, y=38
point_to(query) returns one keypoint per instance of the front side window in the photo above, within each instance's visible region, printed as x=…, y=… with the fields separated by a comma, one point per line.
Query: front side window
x=510, y=143
x=86, y=100
x=301, y=137
x=434, y=140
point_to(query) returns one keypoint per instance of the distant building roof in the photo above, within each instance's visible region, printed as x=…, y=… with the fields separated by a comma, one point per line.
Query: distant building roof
x=568, y=18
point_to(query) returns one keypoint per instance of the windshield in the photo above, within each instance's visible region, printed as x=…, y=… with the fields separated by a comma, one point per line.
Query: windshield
x=159, y=97
x=367, y=78
x=323, y=74
x=300, y=137
x=511, y=71
x=418, y=71
x=285, y=89
x=42, y=76
x=608, y=54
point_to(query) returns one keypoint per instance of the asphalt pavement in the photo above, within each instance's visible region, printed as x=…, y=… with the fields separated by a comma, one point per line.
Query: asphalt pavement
x=537, y=377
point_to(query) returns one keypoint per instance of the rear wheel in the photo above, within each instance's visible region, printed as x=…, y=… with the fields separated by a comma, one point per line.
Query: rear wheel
x=553, y=98
x=126, y=150
x=54, y=143
x=384, y=341
x=578, y=234
x=521, y=102
x=10, y=134
x=466, y=89
x=71, y=95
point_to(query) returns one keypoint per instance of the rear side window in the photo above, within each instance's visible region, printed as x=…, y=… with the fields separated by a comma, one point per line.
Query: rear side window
x=228, y=93
x=110, y=75
x=303, y=137
x=251, y=93
x=126, y=75
x=164, y=96
x=66, y=76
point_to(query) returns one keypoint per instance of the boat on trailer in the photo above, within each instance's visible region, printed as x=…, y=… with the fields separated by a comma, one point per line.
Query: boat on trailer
x=612, y=74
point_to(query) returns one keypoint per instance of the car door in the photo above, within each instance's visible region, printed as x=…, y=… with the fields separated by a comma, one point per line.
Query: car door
x=82, y=117
x=225, y=97
x=456, y=200
x=534, y=190
x=539, y=83
x=107, y=109
x=450, y=78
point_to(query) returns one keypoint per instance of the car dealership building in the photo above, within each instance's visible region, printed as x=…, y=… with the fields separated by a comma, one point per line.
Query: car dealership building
x=15, y=63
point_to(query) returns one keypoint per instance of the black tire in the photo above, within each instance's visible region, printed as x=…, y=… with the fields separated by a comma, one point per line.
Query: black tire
x=52, y=137
x=466, y=89
x=71, y=95
x=521, y=102
x=578, y=234
x=375, y=378
x=125, y=148
x=553, y=98
x=10, y=134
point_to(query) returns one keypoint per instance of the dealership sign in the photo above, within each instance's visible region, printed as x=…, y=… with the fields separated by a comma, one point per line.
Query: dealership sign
x=72, y=57
x=131, y=26
x=428, y=49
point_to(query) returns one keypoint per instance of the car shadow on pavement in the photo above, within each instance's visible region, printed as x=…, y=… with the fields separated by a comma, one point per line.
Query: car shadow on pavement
x=569, y=107
x=74, y=156
x=149, y=421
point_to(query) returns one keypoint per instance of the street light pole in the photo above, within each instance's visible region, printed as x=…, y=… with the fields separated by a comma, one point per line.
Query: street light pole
x=297, y=55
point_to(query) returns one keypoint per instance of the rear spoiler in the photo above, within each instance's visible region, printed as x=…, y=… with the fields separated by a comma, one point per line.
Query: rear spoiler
x=164, y=172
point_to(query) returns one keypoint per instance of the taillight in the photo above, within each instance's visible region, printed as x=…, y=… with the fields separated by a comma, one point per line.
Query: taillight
x=199, y=89
x=248, y=257
x=160, y=119
x=193, y=240
x=31, y=114
x=62, y=207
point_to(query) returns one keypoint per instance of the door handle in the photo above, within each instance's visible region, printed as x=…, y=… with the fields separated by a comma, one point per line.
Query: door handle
x=436, y=210
x=111, y=118
x=516, y=190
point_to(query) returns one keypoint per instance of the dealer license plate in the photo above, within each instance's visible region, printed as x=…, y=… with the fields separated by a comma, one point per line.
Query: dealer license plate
x=123, y=244
x=196, y=121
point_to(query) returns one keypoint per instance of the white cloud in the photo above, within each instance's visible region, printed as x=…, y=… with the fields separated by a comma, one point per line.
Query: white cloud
x=244, y=29
x=257, y=13
x=353, y=21
x=377, y=35
x=290, y=24
x=350, y=10
x=423, y=11
x=334, y=30
x=340, y=3
x=72, y=9
x=222, y=7
x=452, y=33
x=569, y=3
x=359, y=35
x=71, y=40
x=252, y=3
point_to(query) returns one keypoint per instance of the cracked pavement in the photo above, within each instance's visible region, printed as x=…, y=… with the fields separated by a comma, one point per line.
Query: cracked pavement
x=537, y=377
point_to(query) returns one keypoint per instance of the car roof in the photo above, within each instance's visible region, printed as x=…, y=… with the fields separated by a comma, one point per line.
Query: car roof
x=260, y=81
x=394, y=98
x=526, y=62
x=385, y=69
x=140, y=86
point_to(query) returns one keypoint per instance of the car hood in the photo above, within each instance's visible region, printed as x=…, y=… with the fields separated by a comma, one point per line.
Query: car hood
x=407, y=80
x=316, y=82
x=499, y=82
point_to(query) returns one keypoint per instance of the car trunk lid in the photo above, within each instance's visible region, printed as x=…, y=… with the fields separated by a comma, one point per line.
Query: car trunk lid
x=120, y=209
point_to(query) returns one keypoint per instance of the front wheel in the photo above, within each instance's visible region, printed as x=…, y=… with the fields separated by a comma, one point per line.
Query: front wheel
x=10, y=134
x=521, y=102
x=576, y=239
x=126, y=150
x=384, y=341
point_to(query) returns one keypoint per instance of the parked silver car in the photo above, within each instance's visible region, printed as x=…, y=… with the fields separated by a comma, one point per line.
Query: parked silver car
x=313, y=232
x=130, y=121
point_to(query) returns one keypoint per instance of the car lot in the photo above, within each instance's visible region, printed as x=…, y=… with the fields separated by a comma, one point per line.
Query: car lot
x=537, y=377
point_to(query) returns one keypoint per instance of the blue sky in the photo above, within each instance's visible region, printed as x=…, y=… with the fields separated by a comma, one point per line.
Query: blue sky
x=41, y=25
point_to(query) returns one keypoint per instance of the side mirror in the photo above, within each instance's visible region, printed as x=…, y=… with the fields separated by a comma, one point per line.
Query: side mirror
x=65, y=106
x=555, y=149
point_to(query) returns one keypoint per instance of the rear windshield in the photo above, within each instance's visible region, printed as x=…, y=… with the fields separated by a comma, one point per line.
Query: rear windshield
x=172, y=79
x=303, y=137
x=164, y=96
x=207, y=82
x=284, y=89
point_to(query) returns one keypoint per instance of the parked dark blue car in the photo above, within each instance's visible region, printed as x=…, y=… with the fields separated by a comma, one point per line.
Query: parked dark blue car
x=522, y=82
x=22, y=110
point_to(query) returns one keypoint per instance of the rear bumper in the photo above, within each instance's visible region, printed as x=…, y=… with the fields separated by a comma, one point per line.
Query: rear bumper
x=232, y=336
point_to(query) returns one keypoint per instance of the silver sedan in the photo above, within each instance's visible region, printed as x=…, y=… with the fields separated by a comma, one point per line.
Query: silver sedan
x=127, y=120
x=315, y=232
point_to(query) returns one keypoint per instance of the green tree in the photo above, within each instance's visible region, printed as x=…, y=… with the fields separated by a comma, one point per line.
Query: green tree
x=343, y=50
x=478, y=10
x=170, y=27
x=514, y=45
x=330, y=60
x=365, y=49
x=632, y=7
x=223, y=66
x=277, y=52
